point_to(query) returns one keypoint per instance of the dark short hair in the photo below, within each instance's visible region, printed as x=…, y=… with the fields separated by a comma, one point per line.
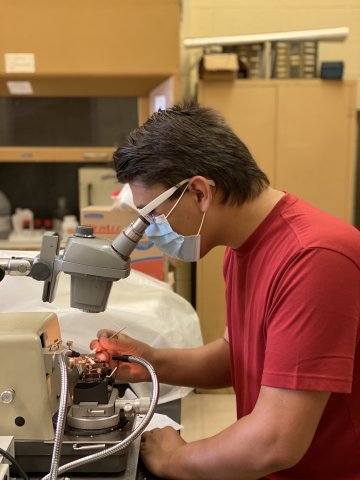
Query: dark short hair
x=188, y=140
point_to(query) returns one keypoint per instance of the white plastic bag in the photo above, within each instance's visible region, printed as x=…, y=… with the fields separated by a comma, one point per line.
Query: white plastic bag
x=124, y=200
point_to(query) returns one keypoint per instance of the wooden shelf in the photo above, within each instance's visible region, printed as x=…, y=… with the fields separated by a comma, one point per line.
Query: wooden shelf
x=57, y=154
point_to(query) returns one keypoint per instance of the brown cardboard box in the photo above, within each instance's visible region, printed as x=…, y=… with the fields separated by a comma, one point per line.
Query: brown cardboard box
x=108, y=223
x=219, y=66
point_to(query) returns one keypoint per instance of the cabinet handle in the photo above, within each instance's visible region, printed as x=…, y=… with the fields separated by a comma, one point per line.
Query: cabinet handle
x=77, y=446
x=89, y=193
x=95, y=155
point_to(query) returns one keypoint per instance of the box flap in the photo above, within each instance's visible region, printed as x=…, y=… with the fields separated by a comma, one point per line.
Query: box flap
x=98, y=208
x=215, y=62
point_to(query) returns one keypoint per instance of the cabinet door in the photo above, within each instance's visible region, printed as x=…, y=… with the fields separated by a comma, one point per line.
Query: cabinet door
x=210, y=295
x=249, y=109
x=302, y=134
x=315, y=143
x=106, y=39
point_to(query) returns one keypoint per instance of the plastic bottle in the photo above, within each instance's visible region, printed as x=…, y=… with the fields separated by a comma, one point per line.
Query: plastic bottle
x=17, y=220
x=5, y=216
x=60, y=212
x=23, y=221
x=48, y=223
x=69, y=225
x=28, y=221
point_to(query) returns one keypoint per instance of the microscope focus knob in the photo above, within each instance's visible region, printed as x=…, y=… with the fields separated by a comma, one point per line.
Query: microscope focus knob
x=84, y=231
x=40, y=270
x=7, y=396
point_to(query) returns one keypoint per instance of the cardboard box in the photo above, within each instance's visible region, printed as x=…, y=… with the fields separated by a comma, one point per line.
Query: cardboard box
x=219, y=66
x=109, y=223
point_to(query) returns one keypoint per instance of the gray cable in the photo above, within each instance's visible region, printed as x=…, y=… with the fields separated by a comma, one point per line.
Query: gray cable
x=59, y=433
x=124, y=443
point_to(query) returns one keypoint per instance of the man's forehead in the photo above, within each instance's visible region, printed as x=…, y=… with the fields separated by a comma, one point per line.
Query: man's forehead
x=143, y=194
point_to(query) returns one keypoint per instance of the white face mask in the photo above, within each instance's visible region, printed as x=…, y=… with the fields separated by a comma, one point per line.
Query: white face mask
x=186, y=248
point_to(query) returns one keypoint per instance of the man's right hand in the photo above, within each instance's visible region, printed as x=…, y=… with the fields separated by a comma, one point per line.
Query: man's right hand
x=121, y=344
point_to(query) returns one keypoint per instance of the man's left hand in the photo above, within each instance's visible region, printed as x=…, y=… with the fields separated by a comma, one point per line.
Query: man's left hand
x=157, y=447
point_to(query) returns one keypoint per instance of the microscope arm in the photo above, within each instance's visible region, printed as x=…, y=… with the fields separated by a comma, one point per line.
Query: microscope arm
x=93, y=264
x=43, y=267
x=15, y=266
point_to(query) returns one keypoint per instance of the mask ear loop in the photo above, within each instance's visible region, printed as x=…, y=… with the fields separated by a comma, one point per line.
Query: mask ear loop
x=201, y=224
x=212, y=183
x=160, y=199
x=178, y=200
x=203, y=217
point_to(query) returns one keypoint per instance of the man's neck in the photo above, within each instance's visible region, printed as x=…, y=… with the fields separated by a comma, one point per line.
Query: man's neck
x=239, y=222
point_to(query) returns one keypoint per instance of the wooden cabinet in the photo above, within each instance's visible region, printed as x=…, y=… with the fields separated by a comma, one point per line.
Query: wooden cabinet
x=249, y=107
x=89, y=56
x=315, y=144
x=302, y=134
x=88, y=47
x=82, y=50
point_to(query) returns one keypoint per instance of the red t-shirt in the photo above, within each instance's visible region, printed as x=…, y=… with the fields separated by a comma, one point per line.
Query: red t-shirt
x=293, y=315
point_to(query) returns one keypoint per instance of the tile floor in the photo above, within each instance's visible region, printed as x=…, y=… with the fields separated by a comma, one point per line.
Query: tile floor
x=205, y=414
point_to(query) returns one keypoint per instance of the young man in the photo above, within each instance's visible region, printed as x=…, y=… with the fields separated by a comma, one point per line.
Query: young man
x=292, y=273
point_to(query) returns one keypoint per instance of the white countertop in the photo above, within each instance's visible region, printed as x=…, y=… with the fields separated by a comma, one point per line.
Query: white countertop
x=28, y=241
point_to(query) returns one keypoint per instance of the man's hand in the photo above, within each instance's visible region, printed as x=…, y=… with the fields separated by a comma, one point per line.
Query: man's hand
x=107, y=345
x=157, y=448
x=188, y=367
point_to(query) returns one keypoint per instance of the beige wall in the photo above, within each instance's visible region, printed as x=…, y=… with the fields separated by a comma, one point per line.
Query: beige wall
x=236, y=17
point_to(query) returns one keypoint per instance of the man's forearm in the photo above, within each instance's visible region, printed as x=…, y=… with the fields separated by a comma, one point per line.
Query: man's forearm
x=275, y=436
x=207, y=366
x=244, y=451
x=231, y=455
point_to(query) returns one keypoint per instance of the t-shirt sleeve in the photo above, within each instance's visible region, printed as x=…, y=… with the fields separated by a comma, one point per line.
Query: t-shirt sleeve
x=312, y=325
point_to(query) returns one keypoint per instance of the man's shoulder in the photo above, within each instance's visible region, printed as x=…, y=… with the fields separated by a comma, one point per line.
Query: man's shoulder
x=316, y=228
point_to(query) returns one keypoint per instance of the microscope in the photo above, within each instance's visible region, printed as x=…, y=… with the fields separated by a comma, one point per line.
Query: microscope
x=34, y=382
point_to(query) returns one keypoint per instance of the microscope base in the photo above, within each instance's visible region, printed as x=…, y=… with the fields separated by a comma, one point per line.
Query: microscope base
x=35, y=456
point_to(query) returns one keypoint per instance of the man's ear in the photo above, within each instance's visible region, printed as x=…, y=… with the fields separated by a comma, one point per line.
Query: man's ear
x=202, y=191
